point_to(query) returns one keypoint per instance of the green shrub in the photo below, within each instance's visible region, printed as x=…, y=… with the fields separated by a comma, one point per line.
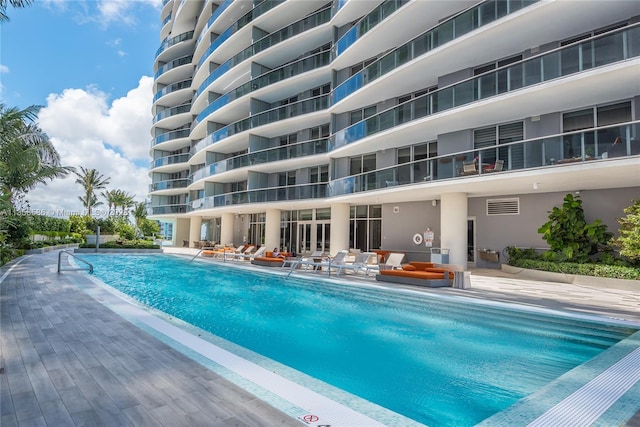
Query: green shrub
x=629, y=239
x=127, y=244
x=584, y=269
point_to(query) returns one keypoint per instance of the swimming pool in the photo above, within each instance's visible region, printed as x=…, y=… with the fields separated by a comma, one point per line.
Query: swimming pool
x=437, y=361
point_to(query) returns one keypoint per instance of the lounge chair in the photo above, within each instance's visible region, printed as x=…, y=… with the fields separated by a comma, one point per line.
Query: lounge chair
x=360, y=264
x=315, y=256
x=244, y=254
x=469, y=168
x=258, y=253
x=496, y=167
x=327, y=262
x=394, y=261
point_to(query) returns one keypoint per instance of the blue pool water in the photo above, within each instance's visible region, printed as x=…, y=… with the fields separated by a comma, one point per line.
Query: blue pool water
x=438, y=361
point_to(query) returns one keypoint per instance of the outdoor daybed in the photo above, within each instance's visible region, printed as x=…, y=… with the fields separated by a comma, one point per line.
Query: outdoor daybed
x=268, y=260
x=418, y=274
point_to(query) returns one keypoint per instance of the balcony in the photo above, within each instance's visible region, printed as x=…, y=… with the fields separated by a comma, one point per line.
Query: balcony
x=319, y=18
x=170, y=112
x=185, y=84
x=555, y=151
x=274, y=115
x=167, y=43
x=291, y=70
x=263, y=195
x=367, y=23
x=169, y=160
x=599, y=51
x=216, y=14
x=169, y=136
x=301, y=149
x=445, y=32
x=185, y=60
x=169, y=184
x=168, y=209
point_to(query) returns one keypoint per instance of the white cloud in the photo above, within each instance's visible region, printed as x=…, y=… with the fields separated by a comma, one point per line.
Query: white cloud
x=89, y=132
x=4, y=69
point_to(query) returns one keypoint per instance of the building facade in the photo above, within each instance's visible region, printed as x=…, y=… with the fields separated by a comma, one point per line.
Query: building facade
x=395, y=125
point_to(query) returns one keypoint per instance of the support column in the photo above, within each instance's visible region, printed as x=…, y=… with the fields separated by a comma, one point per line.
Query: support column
x=453, y=223
x=195, y=224
x=272, y=229
x=226, y=229
x=339, y=227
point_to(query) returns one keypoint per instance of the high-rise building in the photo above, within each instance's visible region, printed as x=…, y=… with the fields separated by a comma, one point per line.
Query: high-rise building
x=397, y=124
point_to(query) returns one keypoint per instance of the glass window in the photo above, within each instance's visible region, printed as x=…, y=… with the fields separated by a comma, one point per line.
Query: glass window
x=323, y=213
x=577, y=120
x=612, y=114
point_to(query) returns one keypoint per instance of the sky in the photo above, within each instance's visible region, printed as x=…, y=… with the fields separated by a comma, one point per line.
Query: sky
x=89, y=65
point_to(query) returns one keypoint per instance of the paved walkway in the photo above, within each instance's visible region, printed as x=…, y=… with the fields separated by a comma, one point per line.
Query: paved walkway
x=67, y=360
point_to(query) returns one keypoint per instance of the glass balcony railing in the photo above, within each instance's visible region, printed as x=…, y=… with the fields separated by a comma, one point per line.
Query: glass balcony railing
x=180, y=109
x=167, y=43
x=166, y=20
x=168, y=136
x=169, y=184
x=373, y=18
x=169, y=160
x=610, y=142
x=454, y=27
x=173, y=64
x=284, y=112
x=272, y=194
x=245, y=20
x=215, y=15
x=168, y=209
x=599, y=51
x=185, y=84
x=285, y=152
x=164, y=2
x=312, y=21
x=274, y=76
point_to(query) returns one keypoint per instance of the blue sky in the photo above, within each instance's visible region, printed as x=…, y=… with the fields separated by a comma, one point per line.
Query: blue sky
x=89, y=63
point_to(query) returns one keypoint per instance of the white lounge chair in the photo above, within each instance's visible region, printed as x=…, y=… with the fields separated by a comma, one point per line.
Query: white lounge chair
x=244, y=254
x=360, y=264
x=394, y=261
x=305, y=261
x=327, y=262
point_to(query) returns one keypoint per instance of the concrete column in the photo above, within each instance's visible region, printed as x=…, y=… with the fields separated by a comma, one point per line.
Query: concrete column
x=339, y=227
x=226, y=229
x=453, y=223
x=195, y=224
x=272, y=229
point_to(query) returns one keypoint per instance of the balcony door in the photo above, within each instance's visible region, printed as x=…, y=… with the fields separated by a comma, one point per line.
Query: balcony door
x=314, y=236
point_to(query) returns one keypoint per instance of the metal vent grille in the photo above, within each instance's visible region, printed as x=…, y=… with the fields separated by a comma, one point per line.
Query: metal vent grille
x=503, y=207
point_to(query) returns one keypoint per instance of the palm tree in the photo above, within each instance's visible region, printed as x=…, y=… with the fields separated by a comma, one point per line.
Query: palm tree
x=110, y=197
x=15, y=3
x=91, y=180
x=27, y=156
x=139, y=213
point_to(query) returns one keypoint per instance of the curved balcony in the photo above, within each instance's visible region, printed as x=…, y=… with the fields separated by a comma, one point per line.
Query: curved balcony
x=167, y=43
x=291, y=70
x=171, y=112
x=169, y=209
x=301, y=149
x=599, y=51
x=245, y=20
x=185, y=60
x=263, y=195
x=306, y=106
x=170, y=136
x=309, y=22
x=169, y=184
x=445, y=32
x=175, y=159
x=185, y=84
x=572, y=148
x=366, y=24
x=215, y=15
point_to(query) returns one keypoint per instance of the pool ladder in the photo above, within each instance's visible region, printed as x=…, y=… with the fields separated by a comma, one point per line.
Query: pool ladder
x=72, y=269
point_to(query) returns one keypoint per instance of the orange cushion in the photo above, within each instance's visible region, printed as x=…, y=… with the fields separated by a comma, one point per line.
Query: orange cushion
x=408, y=267
x=420, y=265
x=268, y=254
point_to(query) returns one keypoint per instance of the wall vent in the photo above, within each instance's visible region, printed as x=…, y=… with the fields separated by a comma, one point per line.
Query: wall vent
x=503, y=207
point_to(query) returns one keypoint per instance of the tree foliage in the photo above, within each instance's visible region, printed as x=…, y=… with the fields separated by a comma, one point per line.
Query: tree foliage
x=628, y=240
x=568, y=234
x=14, y=3
x=91, y=180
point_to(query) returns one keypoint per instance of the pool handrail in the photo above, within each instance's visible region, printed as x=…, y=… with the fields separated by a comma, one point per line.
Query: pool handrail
x=76, y=257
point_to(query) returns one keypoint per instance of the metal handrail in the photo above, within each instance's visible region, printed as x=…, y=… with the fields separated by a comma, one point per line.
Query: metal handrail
x=72, y=269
